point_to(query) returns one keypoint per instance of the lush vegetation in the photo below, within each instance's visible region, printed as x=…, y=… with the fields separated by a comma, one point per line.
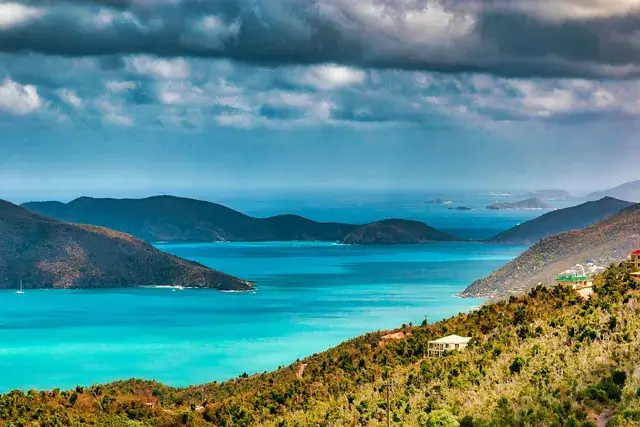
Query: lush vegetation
x=545, y=359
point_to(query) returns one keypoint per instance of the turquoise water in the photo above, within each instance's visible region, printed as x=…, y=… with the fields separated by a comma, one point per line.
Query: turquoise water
x=311, y=296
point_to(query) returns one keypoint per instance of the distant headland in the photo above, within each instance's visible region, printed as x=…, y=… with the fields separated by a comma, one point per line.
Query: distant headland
x=180, y=220
x=528, y=204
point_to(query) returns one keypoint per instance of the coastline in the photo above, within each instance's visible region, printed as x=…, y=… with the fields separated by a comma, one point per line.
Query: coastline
x=309, y=301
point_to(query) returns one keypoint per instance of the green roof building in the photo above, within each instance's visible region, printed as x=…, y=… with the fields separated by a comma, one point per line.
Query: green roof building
x=576, y=282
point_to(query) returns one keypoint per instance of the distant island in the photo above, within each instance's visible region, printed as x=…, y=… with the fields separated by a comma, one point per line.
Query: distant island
x=179, y=220
x=439, y=202
x=607, y=241
x=528, y=204
x=560, y=220
x=627, y=191
x=396, y=231
x=45, y=253
x=549, y=195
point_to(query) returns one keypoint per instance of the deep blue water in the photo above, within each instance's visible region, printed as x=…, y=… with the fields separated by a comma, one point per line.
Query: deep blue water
x=310, y=296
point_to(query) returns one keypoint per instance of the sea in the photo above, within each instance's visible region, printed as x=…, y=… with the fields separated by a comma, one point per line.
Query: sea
x=310, y=296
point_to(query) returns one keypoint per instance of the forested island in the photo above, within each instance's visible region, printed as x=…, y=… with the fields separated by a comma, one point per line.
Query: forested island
x=181, y=220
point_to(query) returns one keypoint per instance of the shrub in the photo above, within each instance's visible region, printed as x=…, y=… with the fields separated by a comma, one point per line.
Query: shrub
x=517, y=365
x=467, y=421
x=440, y=418
x=619, y=378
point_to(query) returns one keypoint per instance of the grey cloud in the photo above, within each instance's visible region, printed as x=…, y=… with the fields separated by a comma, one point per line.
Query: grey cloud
x=450, y=36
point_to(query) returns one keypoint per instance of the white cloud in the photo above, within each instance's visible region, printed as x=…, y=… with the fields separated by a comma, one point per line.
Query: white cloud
x=210, y=32
x=112, y=114
x=189, y=94
x=170, y=69
x=70, y=98
x=329, y=77
x=106, y=18
x=12, y=14
x=115, y=86
x=182, y=93
x=576, y=9
x=236, y=102
x=433, y=24
x=238, y=120
x=19, y=99
x=289, y=99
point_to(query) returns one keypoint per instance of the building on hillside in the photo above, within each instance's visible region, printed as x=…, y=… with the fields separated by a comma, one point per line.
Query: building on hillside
x=576, y=282
x=636, y=276
x=635, y=259
x=448, y=343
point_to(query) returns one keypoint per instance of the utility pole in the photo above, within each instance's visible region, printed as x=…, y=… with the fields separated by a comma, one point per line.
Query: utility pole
x=388, y=384
x=388, y=405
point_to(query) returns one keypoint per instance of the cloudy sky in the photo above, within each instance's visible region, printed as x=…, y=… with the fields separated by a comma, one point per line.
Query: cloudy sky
x=134, y=97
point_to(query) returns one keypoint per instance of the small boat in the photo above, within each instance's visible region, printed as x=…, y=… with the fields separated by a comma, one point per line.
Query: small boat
x=21, y=291
x=179, y=288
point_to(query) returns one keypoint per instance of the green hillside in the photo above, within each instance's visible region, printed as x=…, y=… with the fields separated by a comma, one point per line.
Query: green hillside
x=544, y=359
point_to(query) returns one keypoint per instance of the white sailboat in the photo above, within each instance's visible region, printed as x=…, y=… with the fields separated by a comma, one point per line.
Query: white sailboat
x=21, y=291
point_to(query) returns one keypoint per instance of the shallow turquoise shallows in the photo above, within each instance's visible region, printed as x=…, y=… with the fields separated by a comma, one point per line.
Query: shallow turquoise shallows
x=310, y=296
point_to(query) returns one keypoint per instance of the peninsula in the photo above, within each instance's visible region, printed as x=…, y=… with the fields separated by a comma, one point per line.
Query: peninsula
x=47, y=253
x=528, y=204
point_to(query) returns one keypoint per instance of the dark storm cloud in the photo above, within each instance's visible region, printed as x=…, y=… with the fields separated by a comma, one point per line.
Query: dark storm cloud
x=500, y=37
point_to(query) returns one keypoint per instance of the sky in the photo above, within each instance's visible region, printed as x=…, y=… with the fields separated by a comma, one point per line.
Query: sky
x=139, y=97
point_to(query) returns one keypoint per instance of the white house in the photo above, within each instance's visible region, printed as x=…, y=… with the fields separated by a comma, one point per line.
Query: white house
x=448, y=343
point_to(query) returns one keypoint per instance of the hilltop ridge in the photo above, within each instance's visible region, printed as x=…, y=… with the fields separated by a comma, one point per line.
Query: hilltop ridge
x=177, y=219
x=627, y=191
x=575, y=217
x=396, y=231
